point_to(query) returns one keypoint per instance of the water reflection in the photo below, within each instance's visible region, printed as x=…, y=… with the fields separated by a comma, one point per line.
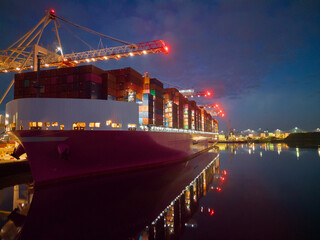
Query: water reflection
x=176, y=216
x=252, y=147
x=149, y=204
x=279, y=147
x=264, y=147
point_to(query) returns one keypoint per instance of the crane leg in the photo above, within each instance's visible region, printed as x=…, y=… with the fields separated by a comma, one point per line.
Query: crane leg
x=8, y=89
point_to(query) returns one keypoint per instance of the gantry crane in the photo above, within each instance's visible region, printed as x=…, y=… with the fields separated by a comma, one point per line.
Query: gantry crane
x=24, y=53
x=191, y=93
x=214, y=110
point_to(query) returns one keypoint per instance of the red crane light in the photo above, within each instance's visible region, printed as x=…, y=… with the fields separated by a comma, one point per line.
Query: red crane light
x=52, y=11
x=208, y=93
x=166, y=49
x=211, y=212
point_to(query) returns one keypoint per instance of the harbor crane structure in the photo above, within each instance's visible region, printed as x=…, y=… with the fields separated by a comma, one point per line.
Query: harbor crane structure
x=191, y=93
x=214, y=110
x=25, y=52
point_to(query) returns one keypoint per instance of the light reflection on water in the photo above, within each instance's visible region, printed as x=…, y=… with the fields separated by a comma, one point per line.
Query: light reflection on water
x=272, y=192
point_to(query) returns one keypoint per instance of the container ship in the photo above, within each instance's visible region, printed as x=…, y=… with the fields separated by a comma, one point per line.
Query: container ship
x=82, y=120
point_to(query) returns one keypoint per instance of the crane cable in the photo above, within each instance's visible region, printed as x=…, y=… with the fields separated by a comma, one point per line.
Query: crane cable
x=92, y=31
x=170, y=84
x=76, y=36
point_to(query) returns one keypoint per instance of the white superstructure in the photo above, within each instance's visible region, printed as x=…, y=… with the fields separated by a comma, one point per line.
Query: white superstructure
x=71, y=114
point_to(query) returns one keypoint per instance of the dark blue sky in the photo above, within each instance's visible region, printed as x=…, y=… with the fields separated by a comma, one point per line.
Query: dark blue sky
x=261, y=58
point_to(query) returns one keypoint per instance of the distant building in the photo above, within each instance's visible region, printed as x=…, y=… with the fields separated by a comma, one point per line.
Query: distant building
x=262, y=135
x=222, y=137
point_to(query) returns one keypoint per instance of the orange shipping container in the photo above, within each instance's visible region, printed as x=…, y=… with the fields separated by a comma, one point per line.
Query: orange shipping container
x=147, y=121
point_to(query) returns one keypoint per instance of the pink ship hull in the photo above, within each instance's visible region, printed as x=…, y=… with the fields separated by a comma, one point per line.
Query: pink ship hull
x=92, y=152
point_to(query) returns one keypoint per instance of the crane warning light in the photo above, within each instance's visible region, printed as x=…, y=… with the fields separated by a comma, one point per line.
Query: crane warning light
x=222, y=115
x=217, y=105
x=166, y=49
x=208, y=93
x=211, y=212
x=52, y=11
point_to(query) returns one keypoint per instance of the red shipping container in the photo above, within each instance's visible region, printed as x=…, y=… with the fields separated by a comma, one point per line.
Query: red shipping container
x=53, y=80
x=91, y=77
x=70, y=79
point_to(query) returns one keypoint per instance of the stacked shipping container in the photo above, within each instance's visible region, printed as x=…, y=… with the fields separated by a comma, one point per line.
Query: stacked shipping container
x=109, y=82
x=76, y=82
x=146, y=110
x=172, y=94
x=198, y=118
x=187, y=114
x=171, y=115
x=192, y=106
x=129, y=84
x=156, y=90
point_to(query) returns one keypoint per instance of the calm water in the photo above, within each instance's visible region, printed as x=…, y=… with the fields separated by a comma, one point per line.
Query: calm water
x=271, y=192
x=267, y=192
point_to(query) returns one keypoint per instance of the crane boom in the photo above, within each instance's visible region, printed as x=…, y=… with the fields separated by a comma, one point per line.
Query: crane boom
x=191, y=93
x=214, y=110
x=54, y=60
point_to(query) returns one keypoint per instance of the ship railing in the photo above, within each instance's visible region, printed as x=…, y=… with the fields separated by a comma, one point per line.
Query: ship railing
x=168, y=129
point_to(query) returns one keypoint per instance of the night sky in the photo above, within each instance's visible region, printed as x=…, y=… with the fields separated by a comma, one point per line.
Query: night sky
x=261, y=58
